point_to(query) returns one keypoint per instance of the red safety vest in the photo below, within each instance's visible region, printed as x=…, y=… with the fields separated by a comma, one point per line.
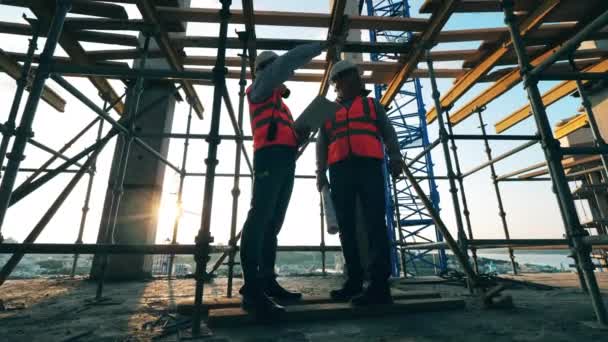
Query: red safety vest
x=263, y=113
x=354, y=132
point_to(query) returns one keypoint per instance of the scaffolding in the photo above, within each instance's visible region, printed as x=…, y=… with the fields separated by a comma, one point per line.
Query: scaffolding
x=536, y=50
x=407, y=114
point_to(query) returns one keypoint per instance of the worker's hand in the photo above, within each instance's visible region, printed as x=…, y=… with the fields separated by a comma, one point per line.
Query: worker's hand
x=302, y=134
x=322, y=180
x=396, y=167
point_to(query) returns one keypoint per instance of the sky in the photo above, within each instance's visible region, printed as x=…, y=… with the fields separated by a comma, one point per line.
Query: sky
x=531, y=207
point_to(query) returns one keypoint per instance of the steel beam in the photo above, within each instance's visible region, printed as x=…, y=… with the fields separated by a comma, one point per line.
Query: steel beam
x=337, y=27
x=501, y=209
x=572, y=44
x=24, y=131
x=467, y=81
x=17, y=72
x=180, y=191
x=250, y=41
x=424, y=42
x=555, y=94
x=85, y=7
x=63, y=248
x=10, y=265
x=203, y=238
x=151, y=16
x=575, y=123
x=78, y=55
x=512, y=78
x=551, y=149
x=299, y=19
x=499, y=158
x=87, y=200
x=574, y=76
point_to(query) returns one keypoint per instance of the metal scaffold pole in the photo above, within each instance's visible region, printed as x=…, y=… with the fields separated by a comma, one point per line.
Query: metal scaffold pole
x=322, y=245
x=443, y=136
x=9, y=125
x=463, y=196
x=598, y=140
x=10, y=265
x=125, y=147
x=24, y=131
x=407, y=115
x=204, y=239
x=236, y=191
x=180, y=190
x=553, y=154
x=87, y=200
x=501, y=209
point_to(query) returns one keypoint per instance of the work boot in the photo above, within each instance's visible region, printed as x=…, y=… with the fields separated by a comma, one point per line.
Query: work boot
x=263, y=308
x=347, y=292
x=273, y=289
x=374, y=294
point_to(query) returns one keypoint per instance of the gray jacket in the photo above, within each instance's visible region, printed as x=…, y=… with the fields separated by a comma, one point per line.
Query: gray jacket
x=281, y=69
x=387, y=133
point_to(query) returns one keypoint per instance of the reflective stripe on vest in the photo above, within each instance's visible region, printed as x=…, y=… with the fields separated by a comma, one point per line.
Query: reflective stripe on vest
x=263, y=114
x=354, y=132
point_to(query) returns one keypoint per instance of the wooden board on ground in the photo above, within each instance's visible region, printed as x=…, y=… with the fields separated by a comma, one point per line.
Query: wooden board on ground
x=333, y=311
x=421, y=280
x=186, y=307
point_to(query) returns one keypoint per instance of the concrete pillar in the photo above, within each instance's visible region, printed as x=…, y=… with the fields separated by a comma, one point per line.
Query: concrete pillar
x=138, y=211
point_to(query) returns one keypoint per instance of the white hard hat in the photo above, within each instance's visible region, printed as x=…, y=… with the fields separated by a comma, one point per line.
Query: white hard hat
x=341, y=66
x=264, y=57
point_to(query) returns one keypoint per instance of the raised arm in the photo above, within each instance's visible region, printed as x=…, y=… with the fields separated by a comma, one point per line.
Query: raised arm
x=282, y=68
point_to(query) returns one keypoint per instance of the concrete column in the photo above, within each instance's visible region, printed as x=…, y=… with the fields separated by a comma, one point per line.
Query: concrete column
x=138, y=211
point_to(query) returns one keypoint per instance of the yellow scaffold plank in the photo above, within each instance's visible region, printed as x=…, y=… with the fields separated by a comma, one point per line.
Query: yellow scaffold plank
x=574, y=124
x=13, y=69
x=556, y=93
x=469, y=79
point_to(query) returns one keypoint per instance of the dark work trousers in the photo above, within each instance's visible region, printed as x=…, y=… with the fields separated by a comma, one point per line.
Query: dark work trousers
x=274, y=169
x=362, y=177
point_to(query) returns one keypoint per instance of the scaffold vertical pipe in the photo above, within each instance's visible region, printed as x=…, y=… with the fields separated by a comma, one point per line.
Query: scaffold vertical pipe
x=87, y=200
x=463, y=196
x=204, y=239
x=443, y=137
x=14, y=260
x=553, y=155
x=24, y=132
x=401, y=246
x=322, y=216
x=180, y=190
x=407, y=114
x=236, y=191
x=501, y=208
x=123, y=158
x=9, y=125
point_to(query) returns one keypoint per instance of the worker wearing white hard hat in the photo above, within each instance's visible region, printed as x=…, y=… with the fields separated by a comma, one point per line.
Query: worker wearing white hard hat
x=275, y=143
x=352, y=146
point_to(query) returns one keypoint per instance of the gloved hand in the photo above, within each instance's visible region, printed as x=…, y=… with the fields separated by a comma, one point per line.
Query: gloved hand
x=322, y=180
x=396, y=168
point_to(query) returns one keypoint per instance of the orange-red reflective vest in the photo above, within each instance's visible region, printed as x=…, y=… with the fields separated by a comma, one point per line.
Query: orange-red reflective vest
x=263, y=114
x=354, y=132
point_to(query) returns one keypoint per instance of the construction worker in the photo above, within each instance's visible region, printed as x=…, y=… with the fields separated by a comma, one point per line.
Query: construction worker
x=275, y=144
x=352, y=144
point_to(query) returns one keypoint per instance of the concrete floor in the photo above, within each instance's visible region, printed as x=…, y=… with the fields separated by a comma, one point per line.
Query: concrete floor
x=56, y=310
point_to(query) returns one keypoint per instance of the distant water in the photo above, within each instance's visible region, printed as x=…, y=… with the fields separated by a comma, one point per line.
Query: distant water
x=558, y=261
